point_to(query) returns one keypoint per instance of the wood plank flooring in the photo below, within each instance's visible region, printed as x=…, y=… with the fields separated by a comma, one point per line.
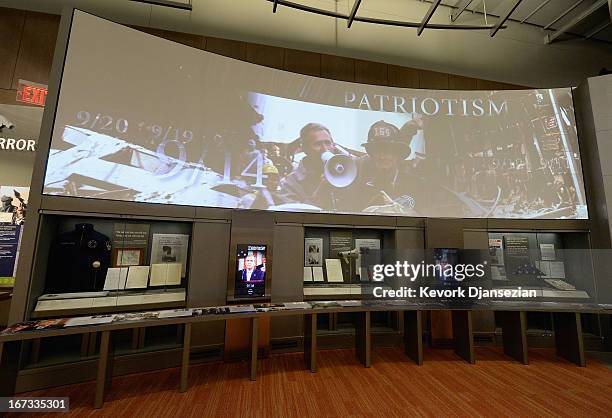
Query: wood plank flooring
x=393, y=387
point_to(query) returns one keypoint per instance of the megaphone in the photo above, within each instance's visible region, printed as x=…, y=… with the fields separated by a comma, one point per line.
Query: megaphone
x=346, y=255
x=339, y=170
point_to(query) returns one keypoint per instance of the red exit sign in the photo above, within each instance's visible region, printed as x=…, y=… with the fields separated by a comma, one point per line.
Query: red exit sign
x=30, y=92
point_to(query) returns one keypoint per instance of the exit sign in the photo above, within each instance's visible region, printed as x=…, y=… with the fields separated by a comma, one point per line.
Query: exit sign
x=30, y=92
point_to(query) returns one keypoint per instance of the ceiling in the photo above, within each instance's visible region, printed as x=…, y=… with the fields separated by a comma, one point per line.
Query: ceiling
x=548, y=13
x=517, y=54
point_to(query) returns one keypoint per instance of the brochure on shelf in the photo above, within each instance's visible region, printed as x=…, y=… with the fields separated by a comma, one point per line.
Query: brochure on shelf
x=90, y=320
x=137, y=277
x=560, y=284
x=334, y=270
x=175, y=313
x=165, y=274
x=349, y=303
x=297, y=305
x=317, y=274
x=115, y=278
x=241, y=308
x=308, y=274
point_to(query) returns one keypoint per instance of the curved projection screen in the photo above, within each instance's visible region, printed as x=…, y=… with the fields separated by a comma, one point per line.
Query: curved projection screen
x=143, y=119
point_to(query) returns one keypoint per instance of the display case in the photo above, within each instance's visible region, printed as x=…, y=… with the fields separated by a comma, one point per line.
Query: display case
x=557, y=265
x=332, y=260
x=97, y=265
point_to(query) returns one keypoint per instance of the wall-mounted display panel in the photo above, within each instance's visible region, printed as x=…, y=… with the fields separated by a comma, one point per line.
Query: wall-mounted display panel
x=250, y=271
x=158, y=122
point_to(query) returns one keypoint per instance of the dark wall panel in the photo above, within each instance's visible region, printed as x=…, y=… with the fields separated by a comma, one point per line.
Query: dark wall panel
x=195, y=41
x=433, y=80
x=369, y=72
x=11, y=31
x=303, y=62
x=227, y=47
x=209, y=263
x=36, y=48
x=337, y=68
x=457, y=82
x=403, y=77
x=270, y=56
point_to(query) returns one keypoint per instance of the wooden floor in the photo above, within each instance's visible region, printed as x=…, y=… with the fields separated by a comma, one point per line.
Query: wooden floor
x=394, y=386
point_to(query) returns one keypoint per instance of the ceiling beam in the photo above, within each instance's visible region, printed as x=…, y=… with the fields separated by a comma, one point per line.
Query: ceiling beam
x=428, y=15
x=460, y=8
x=375, y=21
x=353, y=13
x=167, y=3
x=502, y=20
x=588, y=12
x=565, y=13
x=597, y=29
x=537, y=9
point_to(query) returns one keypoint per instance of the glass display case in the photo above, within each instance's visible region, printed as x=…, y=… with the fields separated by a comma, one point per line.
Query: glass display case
x=557, y=265
x=99, y=265
x=332, y=260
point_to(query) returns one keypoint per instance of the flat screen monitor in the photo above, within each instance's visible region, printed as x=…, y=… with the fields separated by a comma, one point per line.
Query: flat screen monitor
x=250, y=271
x=445, y=260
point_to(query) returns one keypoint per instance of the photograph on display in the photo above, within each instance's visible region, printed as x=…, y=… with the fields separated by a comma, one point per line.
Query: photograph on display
x=132, y=241
x=170, y=248
x=14, y=204
x=250, y=271
x=496, y=251
x=313, y=252
x=123, y=257
x=250, y=137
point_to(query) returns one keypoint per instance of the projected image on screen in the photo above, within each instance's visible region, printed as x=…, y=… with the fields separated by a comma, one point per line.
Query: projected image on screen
x=199, y=129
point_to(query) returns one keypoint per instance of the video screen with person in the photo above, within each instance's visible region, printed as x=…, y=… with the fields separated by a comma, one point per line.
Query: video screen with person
x=250, y=271
x=195, y=128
